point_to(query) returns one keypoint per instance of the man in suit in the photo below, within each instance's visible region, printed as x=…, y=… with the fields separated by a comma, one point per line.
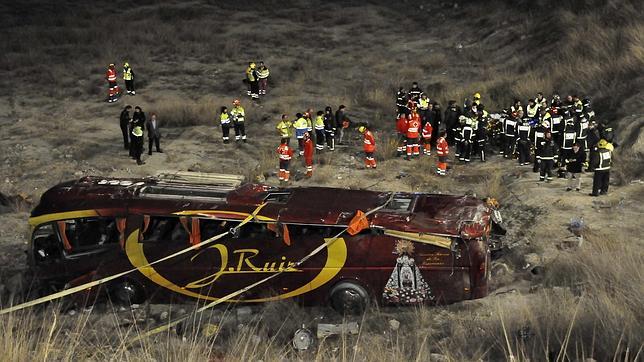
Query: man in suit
x=152, y=125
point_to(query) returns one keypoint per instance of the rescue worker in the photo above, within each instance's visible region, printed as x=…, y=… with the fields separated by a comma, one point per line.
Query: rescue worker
x=253, y=80
x=476, y=99
x=415, y=92
x=342, y=122
x=262, y=76
x=523, y=142
x=300, y=129
x=284, y=128
x=548, y=155
x=541, y=101
x=413, y=133
x=154, y=134
x=401, y=127
x=481, y=137
x=329, y=128
x=532, y=112
x=224, y=120
x=574, y=164
x=452, y=113
x=516, y=107
x=113, y=88
x=369, y=146
x=568, y=138
x=594, y=135
x=555, y=121
x=138, y=120
x=124, y=121
x=427, y=137
x=600, y=163
x=424, y=107
x=319, y=131
x=285, y=154
x=128, y=77
x=309, y=121
x=509, y=134
x=442, y=150
x=238, y=116
x=436, y=118
x=401, y=101
x=466, y=137
x=538, y=136
x=137, y=143
x=588, y=110
x=581, y=128
x=308, y=154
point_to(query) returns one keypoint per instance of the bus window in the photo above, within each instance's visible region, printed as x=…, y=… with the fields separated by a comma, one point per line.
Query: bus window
x=84, y=234
x=210, y=227
x=257, y=231
x=46, y=245
x=164, y=229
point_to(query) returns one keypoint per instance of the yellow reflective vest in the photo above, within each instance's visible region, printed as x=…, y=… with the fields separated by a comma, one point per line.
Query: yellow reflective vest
x=263, y=73
x=423, y=104
x=237, y=114
x=127, y=73
x=284, y=128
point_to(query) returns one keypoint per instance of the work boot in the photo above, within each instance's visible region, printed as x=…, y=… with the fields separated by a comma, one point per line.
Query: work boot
x=139, y=162
x=160, y=151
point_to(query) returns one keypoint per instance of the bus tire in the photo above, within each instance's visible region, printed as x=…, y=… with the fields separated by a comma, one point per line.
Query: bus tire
x=349, y=298
x=128, y=292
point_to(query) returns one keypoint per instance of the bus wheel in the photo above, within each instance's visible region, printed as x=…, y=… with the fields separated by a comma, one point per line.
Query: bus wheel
x=128, y=293
x=349, y=298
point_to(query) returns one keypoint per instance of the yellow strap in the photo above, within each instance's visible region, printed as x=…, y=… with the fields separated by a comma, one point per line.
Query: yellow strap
x=234, y=294
x=94, y=283
x=440, y=241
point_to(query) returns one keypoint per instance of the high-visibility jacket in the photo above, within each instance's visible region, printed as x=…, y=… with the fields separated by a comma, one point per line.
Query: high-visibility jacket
x=415, y=93
x=111, y=75
x=427, y=131
x=582, y=128
x=568, y=139
x=413, y=126
x=237, y=113
x=532, y=111
x=423, y=104
x=128, y=74
x=467, y=131
x=509, y=128
x=442, y=149
x=401, y=124
x=263, y=72
x=369, y=142
x=539, y=136
x=251, y=75
x=224, y=118
x=319, y=123
x=401, y=99
x=524, y=131
x=309, y=124
x=285, y=152
x=300, y=127
x=601, y=158
x=284, y=128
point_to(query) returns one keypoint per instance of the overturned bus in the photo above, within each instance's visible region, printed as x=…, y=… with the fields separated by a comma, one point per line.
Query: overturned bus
x=412, y=247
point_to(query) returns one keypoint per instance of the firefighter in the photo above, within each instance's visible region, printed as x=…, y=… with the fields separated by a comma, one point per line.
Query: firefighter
x=568, y=138
x=253, y=80
x=319, y=131
x=401, y=101
x=369, y=146
x=329, y=128
x=523, y=142
x=415, y=92
x=509, y=134
x=600, y=163
x=466, y=137
x=262, y=76
x=137, y=143
x=594, y=135
x=442, y=150
x=538, y=136
x=284, y=128
x=548, y=155
x=113, y=88
x=224, y=120
x=124, y=121
x=581, y=128
x=413, y=133
x=424, y=107
x=300, y=129
x=308, y=154
x=452, y=113
x=574, y=164
x=401, y=127
x=238, y=115
x=427, y=137
x=342, y=122
x=128, y=77
x=285, y=154
x=588, y=110
x=481, y=136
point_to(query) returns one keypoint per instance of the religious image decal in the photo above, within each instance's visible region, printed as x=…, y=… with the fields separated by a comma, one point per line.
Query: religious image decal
x=406, y=285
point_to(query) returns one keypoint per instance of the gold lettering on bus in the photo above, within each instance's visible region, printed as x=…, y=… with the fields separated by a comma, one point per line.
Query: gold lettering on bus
x=243, y=265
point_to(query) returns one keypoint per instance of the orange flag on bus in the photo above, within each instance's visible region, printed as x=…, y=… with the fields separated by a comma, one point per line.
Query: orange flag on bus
x=358, y=223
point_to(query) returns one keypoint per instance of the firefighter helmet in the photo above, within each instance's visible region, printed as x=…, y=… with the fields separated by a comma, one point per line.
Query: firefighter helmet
x=361, y=129
x=477, y=95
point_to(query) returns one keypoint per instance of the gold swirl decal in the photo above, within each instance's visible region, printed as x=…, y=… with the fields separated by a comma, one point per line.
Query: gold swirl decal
x=336, y=258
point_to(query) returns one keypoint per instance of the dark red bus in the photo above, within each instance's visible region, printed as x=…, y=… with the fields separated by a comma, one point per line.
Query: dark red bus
x=417, y=248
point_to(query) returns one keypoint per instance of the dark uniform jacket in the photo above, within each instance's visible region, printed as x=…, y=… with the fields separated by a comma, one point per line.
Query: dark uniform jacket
x=576, y=161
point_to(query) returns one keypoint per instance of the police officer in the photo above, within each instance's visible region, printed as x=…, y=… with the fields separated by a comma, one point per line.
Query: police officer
x=600, y=162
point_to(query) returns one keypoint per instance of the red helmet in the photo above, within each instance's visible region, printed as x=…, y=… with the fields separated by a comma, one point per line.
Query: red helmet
x=236, y=102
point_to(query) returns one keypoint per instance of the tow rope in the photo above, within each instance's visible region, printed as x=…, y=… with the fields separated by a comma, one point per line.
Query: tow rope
x=94, y=283
x=358, y=219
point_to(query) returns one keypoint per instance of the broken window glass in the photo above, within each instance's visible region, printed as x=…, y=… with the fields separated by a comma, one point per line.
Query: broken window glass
x=46, y=245
x=87, y=233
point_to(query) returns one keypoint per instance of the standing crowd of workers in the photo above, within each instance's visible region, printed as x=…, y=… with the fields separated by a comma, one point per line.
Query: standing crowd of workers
x=553, y=134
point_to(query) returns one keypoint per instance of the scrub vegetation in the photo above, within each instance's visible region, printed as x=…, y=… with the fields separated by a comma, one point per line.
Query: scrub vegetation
x=583, y=300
